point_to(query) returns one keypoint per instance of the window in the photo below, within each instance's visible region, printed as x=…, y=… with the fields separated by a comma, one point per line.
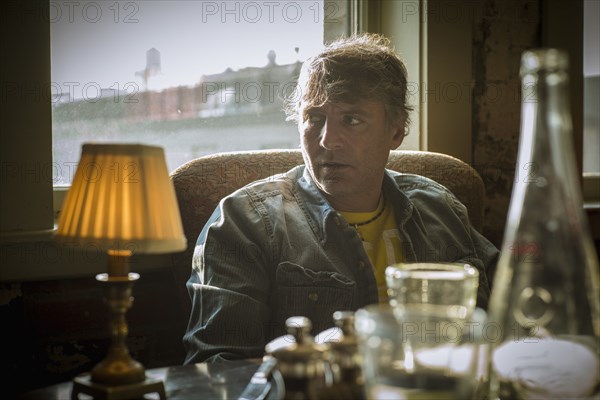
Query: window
x=591, y=87
x=194, y=77
x=591, y=107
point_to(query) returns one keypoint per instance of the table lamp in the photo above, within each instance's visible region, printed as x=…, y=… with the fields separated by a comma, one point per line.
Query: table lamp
x=121, y=201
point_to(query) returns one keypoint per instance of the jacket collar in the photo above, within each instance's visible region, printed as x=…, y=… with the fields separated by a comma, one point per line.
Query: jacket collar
x=318, y=210
x=314, y=205
x=403, y=207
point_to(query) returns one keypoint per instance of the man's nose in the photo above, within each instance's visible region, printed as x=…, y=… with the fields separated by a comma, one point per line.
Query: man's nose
x=331, y=135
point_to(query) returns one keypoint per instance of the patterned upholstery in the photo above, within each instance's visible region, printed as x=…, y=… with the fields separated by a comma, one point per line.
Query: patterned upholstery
x=201, y=183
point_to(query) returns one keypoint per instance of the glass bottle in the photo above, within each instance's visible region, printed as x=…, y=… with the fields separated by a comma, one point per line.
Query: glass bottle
x=544, y=312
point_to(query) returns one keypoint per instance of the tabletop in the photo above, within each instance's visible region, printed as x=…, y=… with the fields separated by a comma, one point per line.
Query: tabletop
x=219, y=380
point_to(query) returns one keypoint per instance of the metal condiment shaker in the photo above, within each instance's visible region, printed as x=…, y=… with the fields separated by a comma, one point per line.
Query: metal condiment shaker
x=303, y=365
x=345, y=358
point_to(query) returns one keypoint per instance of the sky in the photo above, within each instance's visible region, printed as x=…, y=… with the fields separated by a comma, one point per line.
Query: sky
x=104, y=43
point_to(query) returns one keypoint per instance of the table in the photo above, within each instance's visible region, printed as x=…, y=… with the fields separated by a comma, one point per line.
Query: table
x=219, y=380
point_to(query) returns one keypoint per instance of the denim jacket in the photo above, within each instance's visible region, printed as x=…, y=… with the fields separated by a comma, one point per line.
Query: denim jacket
x=276, y=249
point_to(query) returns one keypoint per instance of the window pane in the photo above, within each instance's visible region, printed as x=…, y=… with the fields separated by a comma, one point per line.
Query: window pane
x=195, y=77
x=591, y=89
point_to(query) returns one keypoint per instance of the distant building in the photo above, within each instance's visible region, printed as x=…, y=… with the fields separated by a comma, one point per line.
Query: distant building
x=234, y=109
x=250, y=90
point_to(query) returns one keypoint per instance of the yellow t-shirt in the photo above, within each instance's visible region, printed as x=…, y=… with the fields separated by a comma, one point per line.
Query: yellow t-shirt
x=381, y=240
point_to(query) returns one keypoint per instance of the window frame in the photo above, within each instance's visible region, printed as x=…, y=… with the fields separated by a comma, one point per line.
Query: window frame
x=439, y=126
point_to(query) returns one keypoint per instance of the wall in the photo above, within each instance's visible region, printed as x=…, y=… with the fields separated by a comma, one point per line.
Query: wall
x=502, y=30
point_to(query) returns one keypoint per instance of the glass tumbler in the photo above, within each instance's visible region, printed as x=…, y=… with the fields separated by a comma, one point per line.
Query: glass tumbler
x=437, y=289
x=416, y=355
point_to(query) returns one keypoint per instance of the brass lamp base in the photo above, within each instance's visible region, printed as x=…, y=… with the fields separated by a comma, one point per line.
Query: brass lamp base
x=118, y=376
x=83, y=384
x=118, y=368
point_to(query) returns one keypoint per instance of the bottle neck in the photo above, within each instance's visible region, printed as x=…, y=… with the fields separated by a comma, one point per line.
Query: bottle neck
x=546, y=144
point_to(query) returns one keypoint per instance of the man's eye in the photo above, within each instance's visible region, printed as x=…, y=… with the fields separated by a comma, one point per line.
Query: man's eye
x=351, y=120
x=315, y=118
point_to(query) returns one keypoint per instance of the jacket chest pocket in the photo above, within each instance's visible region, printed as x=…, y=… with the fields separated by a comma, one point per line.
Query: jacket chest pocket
x=313, y=294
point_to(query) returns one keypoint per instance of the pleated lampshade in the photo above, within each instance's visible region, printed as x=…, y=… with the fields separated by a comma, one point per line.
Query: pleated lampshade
x=122, y=198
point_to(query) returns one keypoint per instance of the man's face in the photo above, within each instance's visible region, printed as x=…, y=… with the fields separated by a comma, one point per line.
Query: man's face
x=346, y=147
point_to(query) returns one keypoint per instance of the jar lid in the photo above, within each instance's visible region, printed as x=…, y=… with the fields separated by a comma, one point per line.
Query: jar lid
x=304, y=349
x=344, y=320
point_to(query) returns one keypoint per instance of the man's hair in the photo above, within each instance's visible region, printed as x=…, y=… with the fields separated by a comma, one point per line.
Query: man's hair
x=361, y=67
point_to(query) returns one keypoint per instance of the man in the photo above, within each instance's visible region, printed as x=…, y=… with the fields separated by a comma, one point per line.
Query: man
x=317, y=239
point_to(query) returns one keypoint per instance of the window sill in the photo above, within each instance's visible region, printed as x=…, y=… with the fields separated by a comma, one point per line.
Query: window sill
x=36, y=256
x=591, y=189
x=27, y=236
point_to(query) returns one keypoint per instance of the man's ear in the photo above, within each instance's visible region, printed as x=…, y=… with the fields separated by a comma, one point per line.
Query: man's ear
x=397, y=136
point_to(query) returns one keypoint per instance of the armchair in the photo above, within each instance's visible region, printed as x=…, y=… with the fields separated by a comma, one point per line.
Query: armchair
x=201, y=183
